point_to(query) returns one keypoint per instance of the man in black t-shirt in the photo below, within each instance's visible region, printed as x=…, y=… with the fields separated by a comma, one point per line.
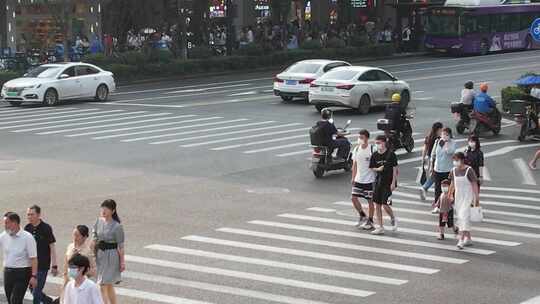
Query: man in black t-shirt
x=384, y=163
x=328, y=130
x=46, y=253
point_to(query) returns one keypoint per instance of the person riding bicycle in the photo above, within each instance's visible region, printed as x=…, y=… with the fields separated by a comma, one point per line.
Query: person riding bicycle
x=329, y=131
x=483, y=103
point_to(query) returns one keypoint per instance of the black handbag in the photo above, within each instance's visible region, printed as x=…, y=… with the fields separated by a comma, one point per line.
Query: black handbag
x=423, y=178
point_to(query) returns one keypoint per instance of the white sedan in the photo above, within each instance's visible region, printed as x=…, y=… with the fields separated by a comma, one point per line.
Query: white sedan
x=295, y=80
x=357, y=87
x=50, y=83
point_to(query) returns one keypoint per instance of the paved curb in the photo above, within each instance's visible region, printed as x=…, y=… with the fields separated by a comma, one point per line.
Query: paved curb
x=272, y=68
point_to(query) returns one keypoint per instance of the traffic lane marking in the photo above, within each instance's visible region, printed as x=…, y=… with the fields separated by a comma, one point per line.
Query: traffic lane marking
x=341, y=245
x=312, y=254
x=525, y=171
x=208, y=89
x=50, y=116
x=261, y=98
x=448, y=75
x=40, y=113
x=277, y=264
x=250, y=276
x=482, y=194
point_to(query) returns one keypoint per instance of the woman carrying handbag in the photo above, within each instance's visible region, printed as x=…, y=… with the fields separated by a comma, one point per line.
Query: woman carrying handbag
x=464, y=187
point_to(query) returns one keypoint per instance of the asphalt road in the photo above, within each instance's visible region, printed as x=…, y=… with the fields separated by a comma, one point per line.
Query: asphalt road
x=219, y=205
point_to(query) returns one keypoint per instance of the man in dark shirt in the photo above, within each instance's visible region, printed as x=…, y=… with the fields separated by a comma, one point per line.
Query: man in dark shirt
x=384, y=163
x=329, y=130
x=46, y=252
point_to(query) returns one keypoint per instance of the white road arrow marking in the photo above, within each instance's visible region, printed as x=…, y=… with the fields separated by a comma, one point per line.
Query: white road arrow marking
x=526, y=174
x=509, y=149
x=244, y=93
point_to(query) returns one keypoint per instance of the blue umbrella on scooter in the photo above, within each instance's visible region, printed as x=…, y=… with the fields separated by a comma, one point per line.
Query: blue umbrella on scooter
x=529, y=80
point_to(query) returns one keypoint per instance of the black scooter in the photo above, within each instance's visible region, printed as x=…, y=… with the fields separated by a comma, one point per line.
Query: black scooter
x=462, y=114
x=526, y=113
x=323, y=161
x=398, y=138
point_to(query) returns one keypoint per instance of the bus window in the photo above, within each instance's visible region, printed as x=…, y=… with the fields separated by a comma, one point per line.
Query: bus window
x=499, y=23
x=514, y=23
x=526, y=20
x=476, y=24
x=443, y=25
x=483, y=24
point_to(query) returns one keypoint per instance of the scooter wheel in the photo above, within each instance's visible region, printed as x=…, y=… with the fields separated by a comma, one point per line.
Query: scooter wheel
x=523, y=132
x=348, y=166
x=318, y=172
x=409, y=144
x=460, y=129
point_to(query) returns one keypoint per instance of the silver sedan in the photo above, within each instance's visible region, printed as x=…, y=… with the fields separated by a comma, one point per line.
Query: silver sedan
x=357, y=87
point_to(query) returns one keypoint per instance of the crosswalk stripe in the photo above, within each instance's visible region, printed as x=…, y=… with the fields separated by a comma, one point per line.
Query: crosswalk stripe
x=341, y=245
x=66, y=120
x=199, y=131
x=503, y=189
x=253, y=143
x=93, y=122
x=52, y=119
x=141, y=295
x=276, y=264
x=294, y=153
x=526, y=174
x=26, y=111
x=361, y=235
x=475, y=228
x=144, y=126
x=207, y=89
x=175, y=128
x=135, y=122
x=319, y=209
x=486, y=211
x=482, y=194
x=26, y=117
x=218, y=288
x=311, y=254
x=225, y=134
x=250, y=276
x=241, y=138
x=511, y=223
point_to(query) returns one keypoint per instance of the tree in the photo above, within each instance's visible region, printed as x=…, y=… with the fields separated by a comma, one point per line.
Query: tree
x=199, y=22
x=280, y=10
x=62, y=11
x=344, y=12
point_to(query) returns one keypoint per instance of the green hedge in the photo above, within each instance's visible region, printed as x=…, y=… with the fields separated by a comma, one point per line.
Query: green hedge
x=511, y=93
x=6, y=76
x=130, y=66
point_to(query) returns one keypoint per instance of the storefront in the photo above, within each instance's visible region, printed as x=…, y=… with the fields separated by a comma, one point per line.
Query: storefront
x=32, y=24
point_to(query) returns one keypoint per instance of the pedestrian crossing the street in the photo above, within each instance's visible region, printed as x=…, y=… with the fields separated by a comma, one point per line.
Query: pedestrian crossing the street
x=241, y=135
x=318, y=255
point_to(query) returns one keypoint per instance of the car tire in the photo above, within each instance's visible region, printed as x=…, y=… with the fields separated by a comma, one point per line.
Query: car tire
x=287, y=98
x=102, y=93
x=50, y=98
x=318, y=172
x=364, y=105
x=319, y=108
x=15, y=103
x=405, y=99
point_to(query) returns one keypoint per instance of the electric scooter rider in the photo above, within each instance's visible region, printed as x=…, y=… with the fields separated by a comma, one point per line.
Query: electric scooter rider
x=483, y=103
x=395, y=114
x=329, y=131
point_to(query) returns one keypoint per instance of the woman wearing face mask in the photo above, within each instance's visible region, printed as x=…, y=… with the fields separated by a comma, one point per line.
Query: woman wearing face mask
x=429, y=143
x=464, y=188
x=441, y=160
x=80, y=290
x=80, y=245
x=108, y=235
x=474, y=158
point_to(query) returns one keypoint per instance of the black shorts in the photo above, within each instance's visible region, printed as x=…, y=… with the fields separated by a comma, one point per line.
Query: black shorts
x=450, y=222
x=363, y=190
x=381, y=195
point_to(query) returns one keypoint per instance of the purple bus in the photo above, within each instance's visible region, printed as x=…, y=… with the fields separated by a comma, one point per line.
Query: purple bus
x=460, y=29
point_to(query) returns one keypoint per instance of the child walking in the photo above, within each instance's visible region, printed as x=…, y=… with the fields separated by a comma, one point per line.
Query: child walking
x=446, y=213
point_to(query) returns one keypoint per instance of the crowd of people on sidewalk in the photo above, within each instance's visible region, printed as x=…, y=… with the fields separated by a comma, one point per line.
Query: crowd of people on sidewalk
x=91, y=266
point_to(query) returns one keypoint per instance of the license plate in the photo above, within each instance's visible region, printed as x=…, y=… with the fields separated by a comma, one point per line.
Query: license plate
x=12, y=94
x=291, y=82
x=327, y=89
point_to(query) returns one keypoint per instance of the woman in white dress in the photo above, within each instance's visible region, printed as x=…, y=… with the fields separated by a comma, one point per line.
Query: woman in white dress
x=464, y=187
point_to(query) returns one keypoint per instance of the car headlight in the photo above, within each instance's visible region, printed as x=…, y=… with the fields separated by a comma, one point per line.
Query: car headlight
x=457, y=46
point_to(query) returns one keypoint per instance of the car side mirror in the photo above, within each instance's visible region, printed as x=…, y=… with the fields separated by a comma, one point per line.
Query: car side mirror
x=63, y=76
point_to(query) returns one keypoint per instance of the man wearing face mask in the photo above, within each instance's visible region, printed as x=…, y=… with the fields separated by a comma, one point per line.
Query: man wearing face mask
x=328, y=131
x=362, y=179
x=80, y=290
x=384, y=163
x=20, y=259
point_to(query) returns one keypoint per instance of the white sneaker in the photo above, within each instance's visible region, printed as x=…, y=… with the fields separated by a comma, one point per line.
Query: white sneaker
x=422, y=194
x=367, y=225
x=435, y=210
x=467, y=243
x=378, y=231
x=393, y=222
x=460, y=244
x=361, y=221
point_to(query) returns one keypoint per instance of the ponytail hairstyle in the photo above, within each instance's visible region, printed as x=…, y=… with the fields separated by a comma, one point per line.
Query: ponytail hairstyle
x=111, y=205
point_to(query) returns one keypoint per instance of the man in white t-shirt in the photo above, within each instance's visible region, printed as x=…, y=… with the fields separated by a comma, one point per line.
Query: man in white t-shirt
x=80, y=290
x=362, y=180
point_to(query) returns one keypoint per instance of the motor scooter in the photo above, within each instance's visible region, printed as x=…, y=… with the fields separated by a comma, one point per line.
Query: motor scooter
x=322, y=159
x=526, y=113
x=462, y=114
x=481, y=122
x=400, y=137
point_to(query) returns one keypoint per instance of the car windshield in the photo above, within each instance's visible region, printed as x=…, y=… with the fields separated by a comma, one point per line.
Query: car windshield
x=43, y=72
x=304, y=68
x=340, y=75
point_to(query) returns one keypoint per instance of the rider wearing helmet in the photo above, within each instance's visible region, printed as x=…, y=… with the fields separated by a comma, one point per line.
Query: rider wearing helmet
x=328, y=130
x=467, y=94
x=394, y=112
x=483, y=103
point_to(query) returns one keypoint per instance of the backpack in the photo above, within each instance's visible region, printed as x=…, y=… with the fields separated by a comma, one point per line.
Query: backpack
x=317, y=136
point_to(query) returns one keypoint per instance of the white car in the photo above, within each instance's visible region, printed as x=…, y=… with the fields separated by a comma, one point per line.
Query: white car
x=357, y=87
x=295, y=80
x=50, y=83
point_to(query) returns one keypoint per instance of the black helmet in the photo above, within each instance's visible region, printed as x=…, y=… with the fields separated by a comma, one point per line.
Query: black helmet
x=469, y=85
x=326, y=113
